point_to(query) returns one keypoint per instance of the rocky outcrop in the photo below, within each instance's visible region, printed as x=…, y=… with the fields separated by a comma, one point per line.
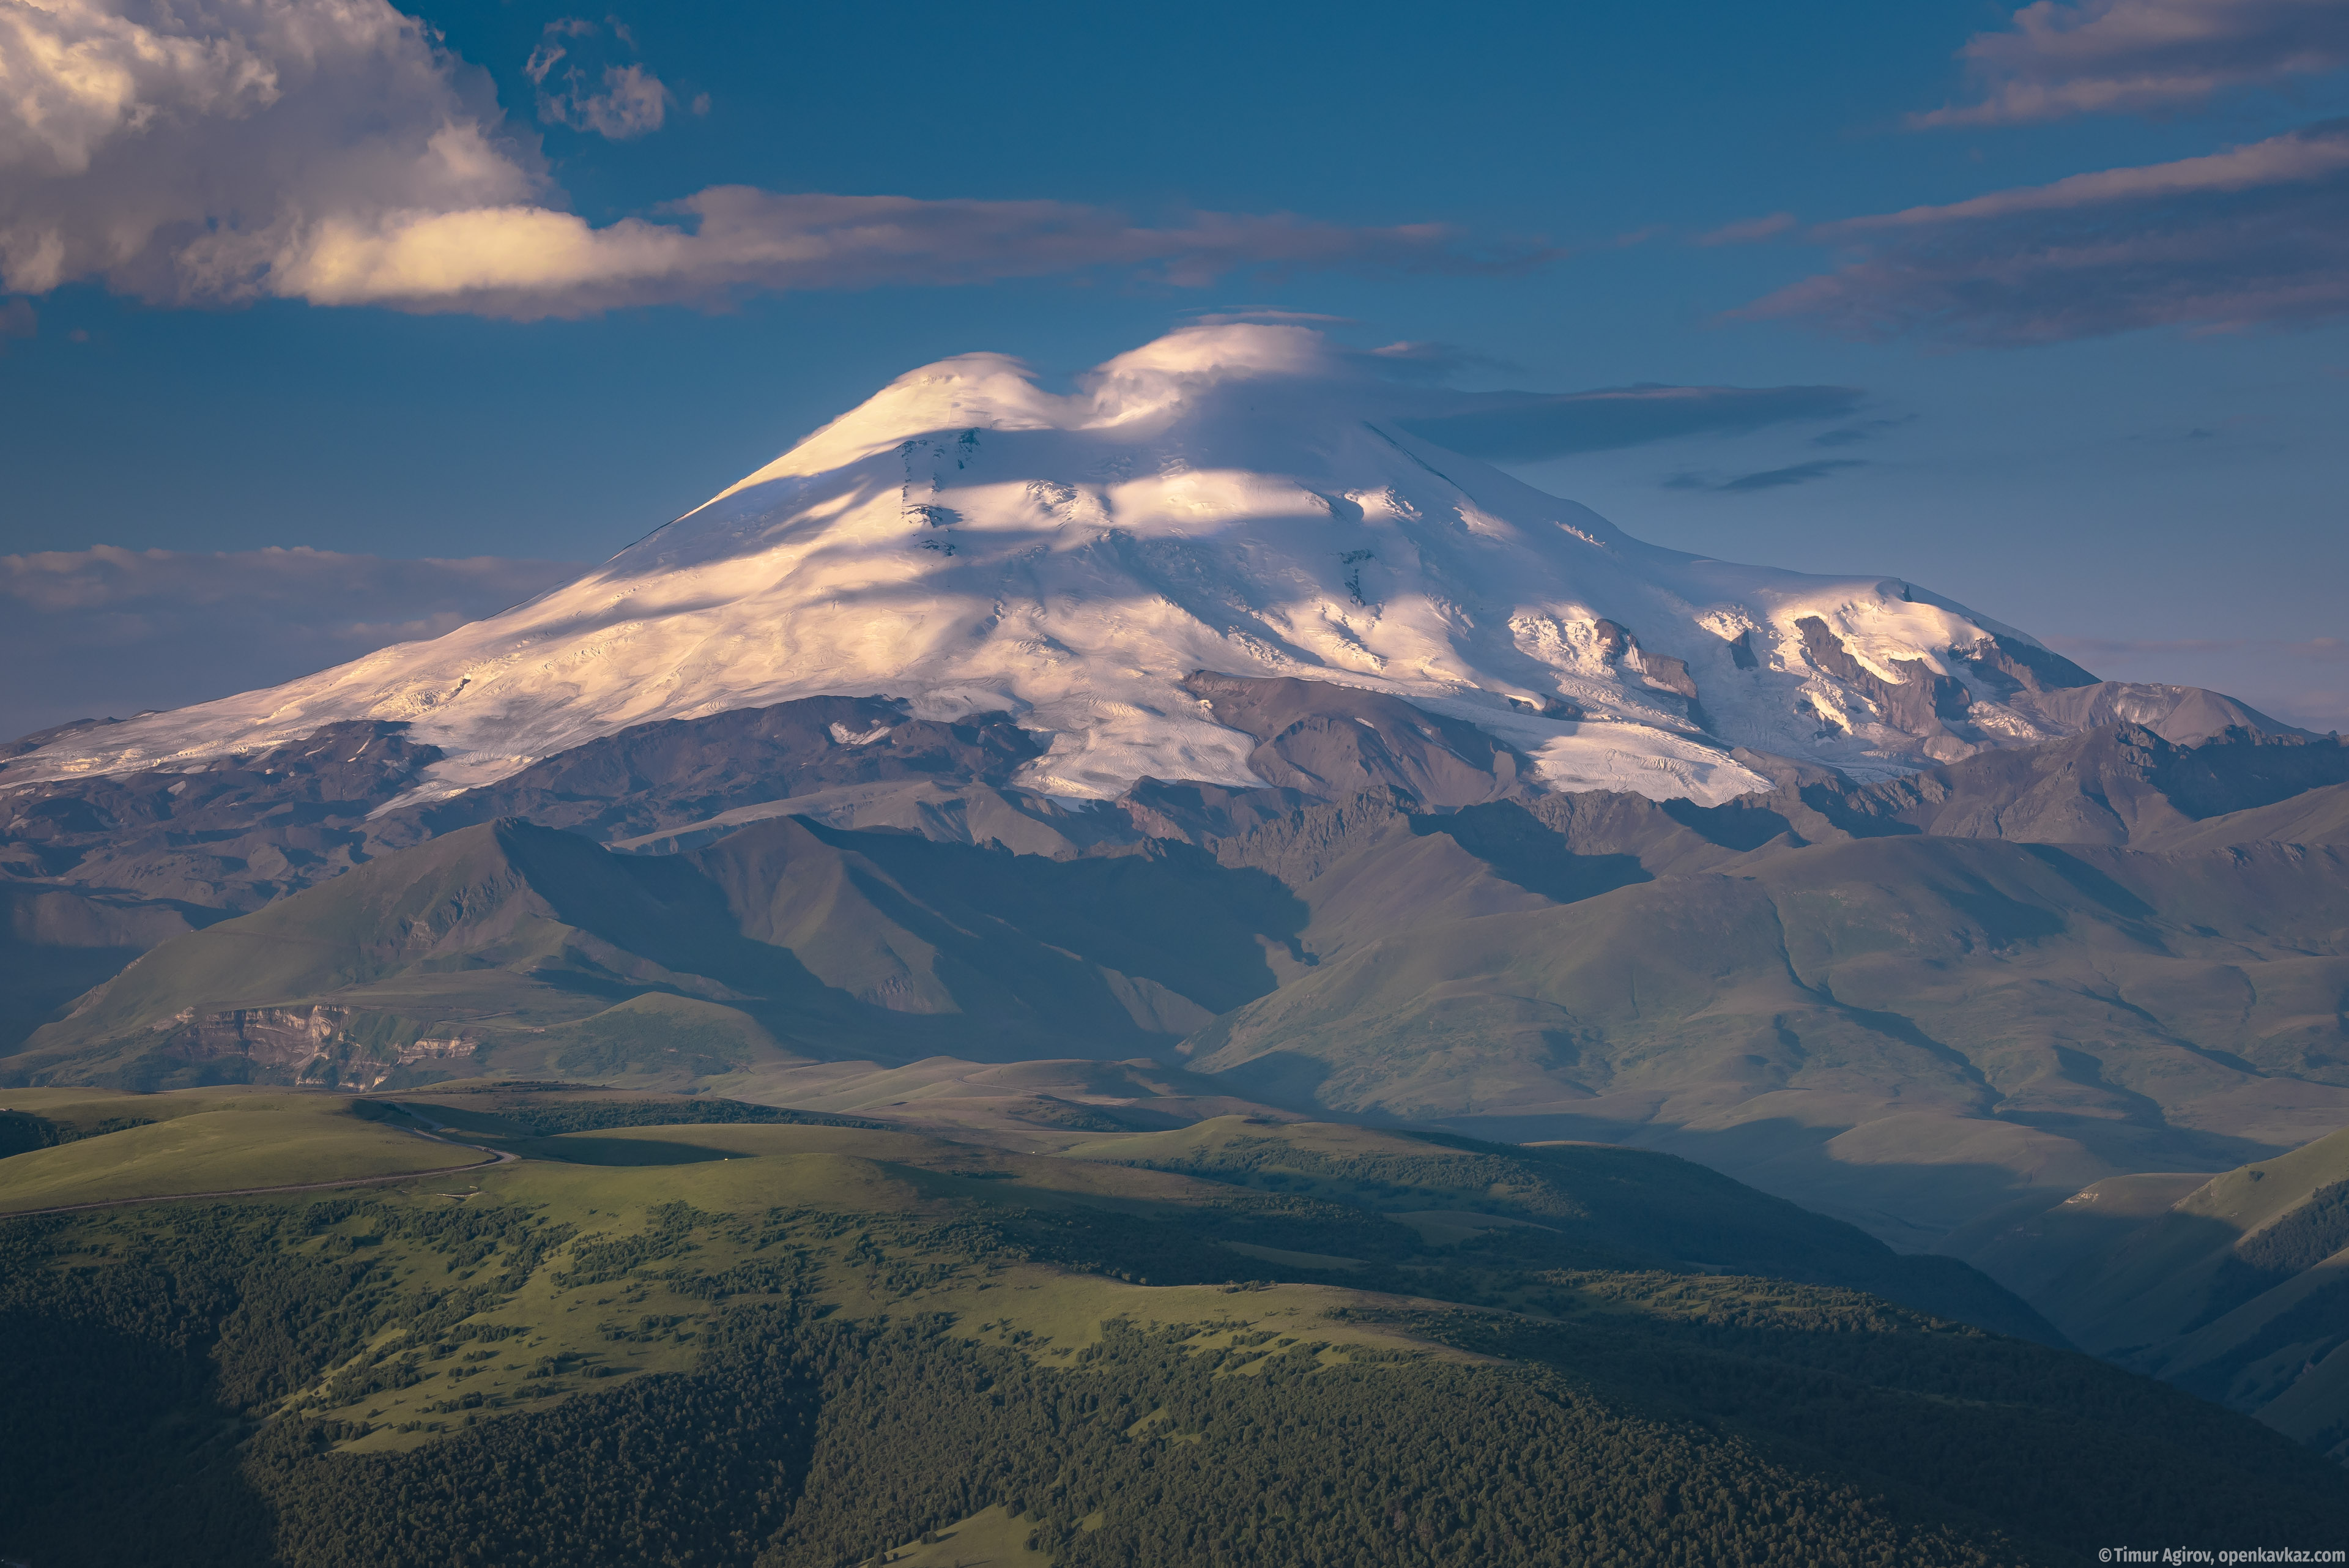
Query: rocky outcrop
x=1922, y=702
x=227, y=833
x=1619, y=645
x=1333, y=741
x=314, y=1044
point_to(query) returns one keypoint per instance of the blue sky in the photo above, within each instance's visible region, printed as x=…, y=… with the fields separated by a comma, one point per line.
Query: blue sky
x=2105, y=411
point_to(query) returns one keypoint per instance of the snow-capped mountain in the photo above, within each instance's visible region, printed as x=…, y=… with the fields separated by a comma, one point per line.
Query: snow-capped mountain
x=1238, y=500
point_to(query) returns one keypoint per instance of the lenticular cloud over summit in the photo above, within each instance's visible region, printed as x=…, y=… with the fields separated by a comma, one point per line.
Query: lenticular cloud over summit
x=1239, y=500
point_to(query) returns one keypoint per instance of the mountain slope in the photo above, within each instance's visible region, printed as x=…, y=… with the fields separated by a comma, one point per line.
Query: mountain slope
x=1899, y=1030
x=1907, y=1029
x=513, y=943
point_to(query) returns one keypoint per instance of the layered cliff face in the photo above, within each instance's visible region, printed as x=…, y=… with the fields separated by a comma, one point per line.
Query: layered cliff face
x=319, y=1047
x=1233, y=502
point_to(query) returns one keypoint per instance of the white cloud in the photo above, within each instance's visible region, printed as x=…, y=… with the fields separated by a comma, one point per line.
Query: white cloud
x=2102, y=57
x=107, y=631
x=177, y=150
x=330, y=150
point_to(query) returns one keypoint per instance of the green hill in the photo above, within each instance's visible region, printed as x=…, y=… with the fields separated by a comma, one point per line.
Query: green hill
x=748, y=1338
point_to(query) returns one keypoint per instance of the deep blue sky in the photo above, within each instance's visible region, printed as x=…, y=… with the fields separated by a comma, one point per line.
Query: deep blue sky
x=2169, y=496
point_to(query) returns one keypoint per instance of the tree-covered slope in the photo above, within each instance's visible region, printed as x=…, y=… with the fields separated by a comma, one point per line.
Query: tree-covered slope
x=748, y=1340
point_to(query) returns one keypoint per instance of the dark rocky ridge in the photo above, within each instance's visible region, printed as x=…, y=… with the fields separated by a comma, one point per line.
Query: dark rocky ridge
x=660, y=776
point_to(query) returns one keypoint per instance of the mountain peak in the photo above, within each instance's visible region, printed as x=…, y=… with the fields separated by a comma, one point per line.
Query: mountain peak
x=1245, y=501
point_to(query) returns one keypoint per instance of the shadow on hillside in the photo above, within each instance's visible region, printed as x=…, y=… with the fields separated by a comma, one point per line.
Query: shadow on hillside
x=166, y=1485
x=1912, y=1203
x=1519, y=849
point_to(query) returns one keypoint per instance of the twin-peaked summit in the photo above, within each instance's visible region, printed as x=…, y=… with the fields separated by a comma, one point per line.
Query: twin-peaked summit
x=1237, y=500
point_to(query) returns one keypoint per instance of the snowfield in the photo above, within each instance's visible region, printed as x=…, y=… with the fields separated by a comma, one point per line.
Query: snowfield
x=1237, y=499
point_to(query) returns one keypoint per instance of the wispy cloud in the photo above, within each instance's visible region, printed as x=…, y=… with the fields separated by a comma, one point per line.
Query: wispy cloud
x=108, y=632
x=526, y=262
x=1524, y=427
x=1422, y=360
x=1861, y=430
x=633, y=101
x=1269, y=316
x=1766, y=479
x=330, y=150
x=2106, y=57
x=1749, y=231
x=2303, y=157
x=2252, y=235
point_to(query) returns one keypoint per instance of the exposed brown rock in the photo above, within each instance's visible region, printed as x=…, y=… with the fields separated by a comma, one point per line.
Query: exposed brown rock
x=1336, y=740
x=1921, y=702
x=298, y=1045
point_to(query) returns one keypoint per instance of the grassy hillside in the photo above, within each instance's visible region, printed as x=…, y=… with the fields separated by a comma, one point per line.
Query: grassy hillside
x=753, y=1339
x=2237, y=1288
x=73, y=1145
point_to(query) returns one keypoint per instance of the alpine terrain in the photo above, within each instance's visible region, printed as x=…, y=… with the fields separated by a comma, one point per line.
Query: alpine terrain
x=1163, y=767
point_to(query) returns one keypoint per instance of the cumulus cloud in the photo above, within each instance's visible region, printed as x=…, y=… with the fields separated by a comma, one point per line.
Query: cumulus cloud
x=330, y=150
x=2252, y=234
x=183, y=152
x=633, y=101
x=108, y=632
x=1523, y=427
x=2103, y=56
